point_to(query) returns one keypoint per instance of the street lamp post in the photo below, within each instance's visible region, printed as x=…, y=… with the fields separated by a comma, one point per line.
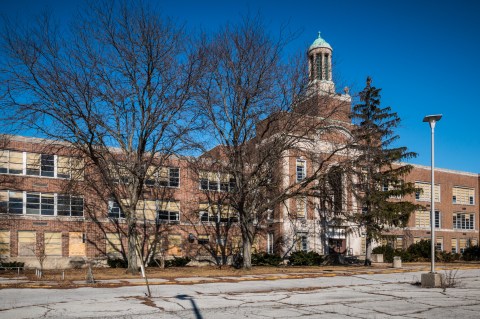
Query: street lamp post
x=432, y=120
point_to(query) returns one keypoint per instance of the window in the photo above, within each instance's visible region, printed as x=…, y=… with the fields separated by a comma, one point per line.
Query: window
x=302, y=242
x=53, y=243
x=165, y=176
x=327, y=71
x=463, y=221
x=424, y=192
x=11, y=202
x=203, y=239
x=463, y=195
x=40, y=204
x=335, y=183
x=113, y=244
x=114, y=210
x=454, y=246
x=385, y=187
x=166, y=216
x=69, y=205
x=4, y=243
x=217, y=213
x=209, y=181
x=462, y=244
x=27, y=243
x=40, y=164
x=422, y=219
x=301, y=170
x=270, y=243
x=146, y=210
x=213, y=181
x=70, y=167
x=11, y=162
x=319, y=66
x=439, y=244
x=301, y=207
x=168, y=212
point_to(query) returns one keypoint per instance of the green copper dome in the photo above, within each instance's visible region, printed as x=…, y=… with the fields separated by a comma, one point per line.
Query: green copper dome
x=319, y=43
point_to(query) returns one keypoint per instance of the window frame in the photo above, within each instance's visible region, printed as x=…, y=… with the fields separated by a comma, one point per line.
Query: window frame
x=114, y=210
x=462, y=222
x=300, y=170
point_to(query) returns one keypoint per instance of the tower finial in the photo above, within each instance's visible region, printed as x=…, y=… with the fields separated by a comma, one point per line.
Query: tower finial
x=319, y=35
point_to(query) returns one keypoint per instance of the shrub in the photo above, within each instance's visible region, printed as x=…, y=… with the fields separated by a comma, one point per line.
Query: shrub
x=420, y=251
x=302, y=258
x=117, y=263
x=472, y=253
x=177, y=262
x=446, y=257
x=264, y=259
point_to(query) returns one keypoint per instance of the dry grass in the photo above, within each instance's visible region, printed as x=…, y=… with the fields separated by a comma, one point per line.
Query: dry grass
x=76, y=277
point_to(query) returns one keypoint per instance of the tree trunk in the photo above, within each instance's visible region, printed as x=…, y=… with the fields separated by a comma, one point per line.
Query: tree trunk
x=247, y=253
x=132, y=250
x=368, y=251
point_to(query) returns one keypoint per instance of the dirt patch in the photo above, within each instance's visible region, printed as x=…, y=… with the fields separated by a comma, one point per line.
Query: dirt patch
x=117, y=277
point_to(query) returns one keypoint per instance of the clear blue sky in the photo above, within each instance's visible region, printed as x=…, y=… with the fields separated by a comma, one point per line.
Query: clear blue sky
x=423, y=54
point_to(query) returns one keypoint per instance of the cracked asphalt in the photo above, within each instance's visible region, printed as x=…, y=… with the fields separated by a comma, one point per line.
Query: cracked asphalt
x=386, y=295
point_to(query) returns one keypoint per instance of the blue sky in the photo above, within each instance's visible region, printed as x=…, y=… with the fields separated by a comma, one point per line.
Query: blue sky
x=423, y=54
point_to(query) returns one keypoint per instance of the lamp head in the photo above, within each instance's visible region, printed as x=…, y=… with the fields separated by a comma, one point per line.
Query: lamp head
x=432, y=119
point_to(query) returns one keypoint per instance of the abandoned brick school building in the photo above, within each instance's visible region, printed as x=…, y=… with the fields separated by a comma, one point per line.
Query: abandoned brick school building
x=36, y=211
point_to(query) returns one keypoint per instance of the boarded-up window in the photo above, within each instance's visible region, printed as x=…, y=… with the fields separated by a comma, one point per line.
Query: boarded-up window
x=70, y=167
x=146, y=209
x=27, y=243
x=63, y=167
x=462, y=244
x=425, y=192
x=454, y=246
x=53, y=243
x=463, y=196
x=422, y=218
x=236, y=242
x=399, y=243
x=113, y=244
x=4, y=243
x=76, y=244
x=174, y=245
x=301, y=207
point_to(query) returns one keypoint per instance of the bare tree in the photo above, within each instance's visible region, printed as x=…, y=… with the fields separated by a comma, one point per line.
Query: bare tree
x=255, y=103
x=115, y=86
x=212, y=221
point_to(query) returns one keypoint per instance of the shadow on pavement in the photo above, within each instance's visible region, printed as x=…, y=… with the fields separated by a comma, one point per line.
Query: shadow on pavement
x=198, y=315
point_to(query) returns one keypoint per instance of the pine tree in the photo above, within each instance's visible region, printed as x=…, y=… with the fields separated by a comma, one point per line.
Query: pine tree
x=378, y=174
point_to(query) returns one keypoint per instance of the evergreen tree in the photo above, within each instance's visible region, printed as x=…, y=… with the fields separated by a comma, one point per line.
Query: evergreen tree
x=378, y=174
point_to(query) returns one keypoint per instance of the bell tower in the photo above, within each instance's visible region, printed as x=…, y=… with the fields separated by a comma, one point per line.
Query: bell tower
x=320, y=66
x=321, y=99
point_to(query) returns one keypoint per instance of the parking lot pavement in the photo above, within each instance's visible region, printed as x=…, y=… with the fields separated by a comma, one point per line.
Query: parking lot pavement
x=384, y=295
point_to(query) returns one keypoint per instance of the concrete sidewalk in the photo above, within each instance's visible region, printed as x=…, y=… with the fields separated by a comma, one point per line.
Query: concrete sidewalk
x=24, y=282
x=380, y=295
